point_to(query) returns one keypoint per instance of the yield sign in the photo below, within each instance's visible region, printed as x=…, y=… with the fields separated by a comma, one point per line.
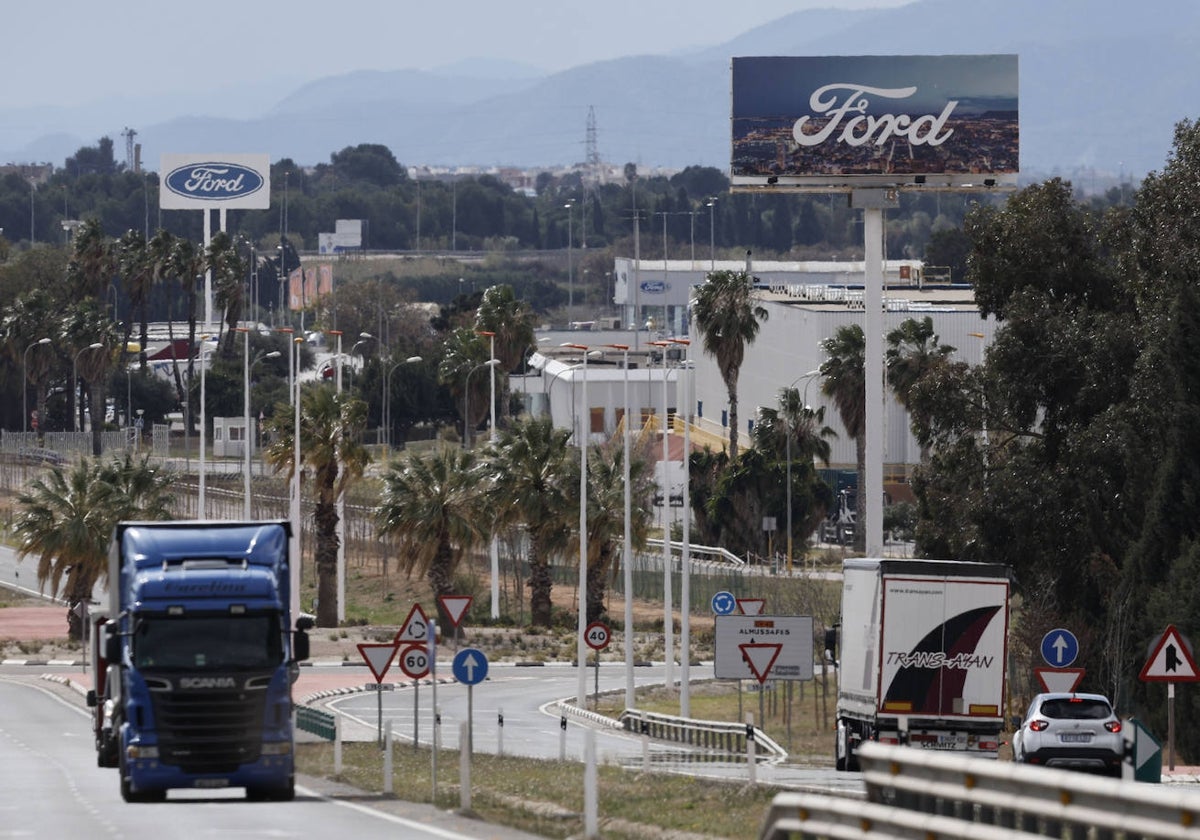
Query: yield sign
x=415, y=628
x=1059, y=679
x=1171, y=661
x=455, y=606
x=751, y=606
x=379, y=658
x=761, y=657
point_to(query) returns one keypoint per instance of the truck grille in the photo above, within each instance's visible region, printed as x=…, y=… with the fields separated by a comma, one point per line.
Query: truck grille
x=209, y=731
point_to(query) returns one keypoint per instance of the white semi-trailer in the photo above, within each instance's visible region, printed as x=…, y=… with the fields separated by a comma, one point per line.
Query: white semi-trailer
x=924, y=645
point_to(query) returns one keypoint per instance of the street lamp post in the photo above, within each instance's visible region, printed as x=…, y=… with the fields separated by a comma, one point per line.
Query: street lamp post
x=790, y=434
x=294, y=496
x=247, y=439
x=570, y=267
x=668, y=610
x=339, y=504
x=202, y=506
x=25, y=383
x=467, y=400
x=387, y=400
x=582, y=441
x=712, y=239
x=96, y=345
x=494, y=549
x=685, y=595
x=627, y=555
x=363, y=338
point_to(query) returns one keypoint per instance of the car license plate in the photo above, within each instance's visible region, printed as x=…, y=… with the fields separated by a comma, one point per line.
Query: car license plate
x=1075, y=737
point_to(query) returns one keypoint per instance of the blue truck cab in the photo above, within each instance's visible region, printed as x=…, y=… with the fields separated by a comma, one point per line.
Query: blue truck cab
x=201, y=658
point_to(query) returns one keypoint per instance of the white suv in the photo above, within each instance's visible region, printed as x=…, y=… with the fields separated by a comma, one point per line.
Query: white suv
x=1065, y=729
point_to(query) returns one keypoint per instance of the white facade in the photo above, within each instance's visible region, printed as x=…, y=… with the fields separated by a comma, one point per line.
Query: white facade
x=788, y=347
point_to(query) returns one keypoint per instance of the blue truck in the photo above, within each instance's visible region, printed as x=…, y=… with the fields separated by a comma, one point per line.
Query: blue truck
x=199, y=659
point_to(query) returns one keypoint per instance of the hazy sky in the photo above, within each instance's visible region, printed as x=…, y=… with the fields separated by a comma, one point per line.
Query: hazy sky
x=74, y=51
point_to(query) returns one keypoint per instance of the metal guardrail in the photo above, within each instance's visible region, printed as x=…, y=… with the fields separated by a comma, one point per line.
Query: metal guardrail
x=807, y=815
x=696, y=553
x=319, y=723
x=720, y=736
x=928, y=794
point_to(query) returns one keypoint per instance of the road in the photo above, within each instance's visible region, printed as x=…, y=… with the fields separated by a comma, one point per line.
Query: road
x=53, y=788
x=532, y=724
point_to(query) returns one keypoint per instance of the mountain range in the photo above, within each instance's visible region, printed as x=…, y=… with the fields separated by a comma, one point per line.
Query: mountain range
x=1103, y=83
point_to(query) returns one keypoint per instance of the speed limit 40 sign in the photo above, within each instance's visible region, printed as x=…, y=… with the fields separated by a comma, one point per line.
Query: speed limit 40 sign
x=597, y=635
x=414, y=661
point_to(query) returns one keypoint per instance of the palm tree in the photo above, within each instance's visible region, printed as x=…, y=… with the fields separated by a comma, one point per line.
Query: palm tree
x=86, y=323
x=797, y=433
x=845, y=382
x=913, y=351
x=161, y=255
x=431, y=504
x=228, y=278
x=532, y=487
x=31, y=317
x=511, y=322
x=728, y=318
x=331, y=427
x=606, y=515
x=187, y=265
x=465, y=351
x=93, y=262
x=137, y=269
x=66, y=518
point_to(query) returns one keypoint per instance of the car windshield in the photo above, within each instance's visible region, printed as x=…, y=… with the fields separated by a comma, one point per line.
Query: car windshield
x=208, y=643
x=1076, y=709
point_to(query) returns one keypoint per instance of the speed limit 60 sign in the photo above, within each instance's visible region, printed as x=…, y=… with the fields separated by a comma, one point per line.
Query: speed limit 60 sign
x=414, y=661
x=597, y=636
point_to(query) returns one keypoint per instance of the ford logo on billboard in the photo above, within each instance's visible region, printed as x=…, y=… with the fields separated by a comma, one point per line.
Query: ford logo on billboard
x=214, y=181
x=654, y=287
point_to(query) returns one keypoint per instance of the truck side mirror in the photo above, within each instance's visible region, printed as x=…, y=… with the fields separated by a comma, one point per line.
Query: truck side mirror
x=91, y=698
x=112, y=643
x=831, y=640
x=300, y=646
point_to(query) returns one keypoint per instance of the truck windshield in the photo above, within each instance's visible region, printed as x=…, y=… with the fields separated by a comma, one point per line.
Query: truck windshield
x=208, y=642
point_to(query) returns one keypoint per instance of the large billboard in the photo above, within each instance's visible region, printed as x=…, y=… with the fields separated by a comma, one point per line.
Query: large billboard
x=198, y=182
x=840, y=122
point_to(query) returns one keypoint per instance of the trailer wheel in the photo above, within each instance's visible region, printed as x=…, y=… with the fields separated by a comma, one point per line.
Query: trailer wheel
x=841, y=747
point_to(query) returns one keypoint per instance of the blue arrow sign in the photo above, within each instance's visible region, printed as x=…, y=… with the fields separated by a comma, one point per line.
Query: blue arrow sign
x=1059, y=648
x=470, y=666
x=723, y=603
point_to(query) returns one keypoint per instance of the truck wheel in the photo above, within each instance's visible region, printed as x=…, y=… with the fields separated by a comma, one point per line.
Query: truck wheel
x=284, y=793
x=841, y=748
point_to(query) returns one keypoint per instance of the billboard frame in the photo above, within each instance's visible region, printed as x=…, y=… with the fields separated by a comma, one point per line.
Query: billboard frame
x=862, y=103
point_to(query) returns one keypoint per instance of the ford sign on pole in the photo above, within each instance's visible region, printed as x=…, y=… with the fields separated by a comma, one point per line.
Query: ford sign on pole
x=220, y=181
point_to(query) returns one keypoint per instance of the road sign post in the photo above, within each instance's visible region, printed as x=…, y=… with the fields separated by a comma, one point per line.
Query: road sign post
x=1060, y=648
x=597, y=636
x=455, y=607
x=379, y=659
x=414, y=662
x=1170, y=662
x=470, y=667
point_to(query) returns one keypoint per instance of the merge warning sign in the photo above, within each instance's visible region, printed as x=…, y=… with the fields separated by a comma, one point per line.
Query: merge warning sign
x=738, y=636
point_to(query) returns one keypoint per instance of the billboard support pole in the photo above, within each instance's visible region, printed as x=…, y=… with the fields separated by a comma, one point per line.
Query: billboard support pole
x=208, y=292
x=872, y=203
